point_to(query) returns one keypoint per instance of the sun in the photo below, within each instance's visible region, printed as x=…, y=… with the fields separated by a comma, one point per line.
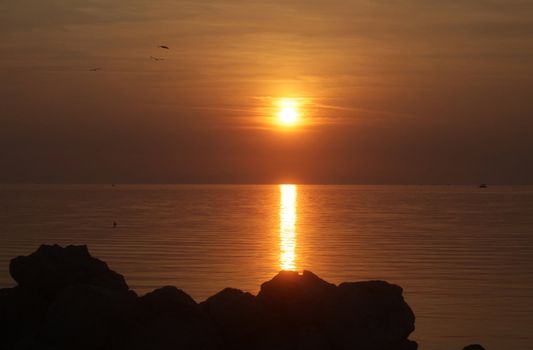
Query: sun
x=288, y=112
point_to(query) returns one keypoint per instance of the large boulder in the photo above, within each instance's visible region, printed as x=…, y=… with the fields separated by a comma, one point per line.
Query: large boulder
x=168, y=301
x=168, y=318
x=371, y=315
x=473, y=347
x=239, y=318
x=88, y=317
x=51, y=269
x=311, y=313
x=297, y=298
x=22, y=312
x=300, y=307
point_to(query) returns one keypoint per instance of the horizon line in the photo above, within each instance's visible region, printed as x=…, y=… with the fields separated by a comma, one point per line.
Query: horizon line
x=265, y=183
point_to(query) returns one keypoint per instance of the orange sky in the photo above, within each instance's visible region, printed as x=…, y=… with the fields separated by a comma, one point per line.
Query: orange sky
x=395, y=92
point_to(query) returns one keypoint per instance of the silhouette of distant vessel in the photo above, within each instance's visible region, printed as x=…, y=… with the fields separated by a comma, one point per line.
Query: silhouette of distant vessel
x=483, y=186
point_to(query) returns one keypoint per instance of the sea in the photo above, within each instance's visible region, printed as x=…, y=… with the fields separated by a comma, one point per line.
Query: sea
x=462, y=254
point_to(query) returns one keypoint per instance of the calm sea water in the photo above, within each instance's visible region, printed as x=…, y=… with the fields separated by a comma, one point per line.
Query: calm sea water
x=463, y=255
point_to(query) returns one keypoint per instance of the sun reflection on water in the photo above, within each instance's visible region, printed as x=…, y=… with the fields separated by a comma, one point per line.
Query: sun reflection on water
x=287, y=227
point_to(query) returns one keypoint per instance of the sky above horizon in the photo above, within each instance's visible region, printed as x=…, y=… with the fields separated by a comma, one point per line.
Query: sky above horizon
x=414, y=92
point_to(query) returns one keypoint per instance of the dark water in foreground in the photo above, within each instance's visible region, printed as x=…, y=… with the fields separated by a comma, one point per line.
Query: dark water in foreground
x=463, y=255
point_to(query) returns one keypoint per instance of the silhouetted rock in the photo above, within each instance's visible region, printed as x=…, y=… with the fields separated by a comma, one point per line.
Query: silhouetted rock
x=66, y=299
x=300, y=307
x=297, y=297
x=52, y=268
x=22, y=312
x=371, y=315
x=238, y=316
x=168, y=318
x=474, y=347
x=169, y=301
x=365, y=315
x=86, y=317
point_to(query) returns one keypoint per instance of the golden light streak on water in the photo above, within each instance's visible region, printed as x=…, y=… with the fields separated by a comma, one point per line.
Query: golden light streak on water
x=287, y=226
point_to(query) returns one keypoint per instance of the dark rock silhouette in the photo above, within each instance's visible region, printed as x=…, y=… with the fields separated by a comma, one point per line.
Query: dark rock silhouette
x=371, y=315
x=298, y=298
x=52, y=268
x=22, y=313
x=168, y=318
x=238, y=317
x=66, y=299
x=85, y=317
x=474, y=347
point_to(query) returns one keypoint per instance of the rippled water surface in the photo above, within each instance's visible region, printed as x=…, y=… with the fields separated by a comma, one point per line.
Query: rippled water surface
x=463, y=255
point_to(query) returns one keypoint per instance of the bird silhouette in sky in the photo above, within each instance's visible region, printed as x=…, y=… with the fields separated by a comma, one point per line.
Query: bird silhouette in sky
x=164, y=47
x=95, y=69
x=157, y=58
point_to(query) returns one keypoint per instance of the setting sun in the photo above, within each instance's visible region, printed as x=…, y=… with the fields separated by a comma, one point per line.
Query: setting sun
x=288, y=113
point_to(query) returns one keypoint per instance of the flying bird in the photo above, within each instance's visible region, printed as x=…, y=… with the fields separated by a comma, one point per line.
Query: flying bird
x=164, y=47
x=157, y=58
x=95, y=69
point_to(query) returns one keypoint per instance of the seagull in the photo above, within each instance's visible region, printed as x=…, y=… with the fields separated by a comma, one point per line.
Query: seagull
x=95, y=69
x=164, y=47
x=157, y=58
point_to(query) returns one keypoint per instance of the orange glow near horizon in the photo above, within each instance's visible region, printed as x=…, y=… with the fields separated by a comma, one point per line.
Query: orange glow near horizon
x=287, y=227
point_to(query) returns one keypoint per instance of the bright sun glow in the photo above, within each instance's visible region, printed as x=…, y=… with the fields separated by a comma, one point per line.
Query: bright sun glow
x=288, y=112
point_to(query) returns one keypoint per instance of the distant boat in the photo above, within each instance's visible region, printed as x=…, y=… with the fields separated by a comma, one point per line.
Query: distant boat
x=483, y=186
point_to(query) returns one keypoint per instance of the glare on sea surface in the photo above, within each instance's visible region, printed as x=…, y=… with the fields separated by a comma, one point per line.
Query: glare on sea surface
x=287, y=229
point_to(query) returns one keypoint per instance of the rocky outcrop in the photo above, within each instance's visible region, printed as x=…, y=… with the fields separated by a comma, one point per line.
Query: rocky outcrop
x=371, y=315
x=66, y=299
x=297, y=298
x=474, y=347
x=240, y=320
x=50, y=269
x=22, y=314
x=364, y=315
x=169, y=318
x=85, y=317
